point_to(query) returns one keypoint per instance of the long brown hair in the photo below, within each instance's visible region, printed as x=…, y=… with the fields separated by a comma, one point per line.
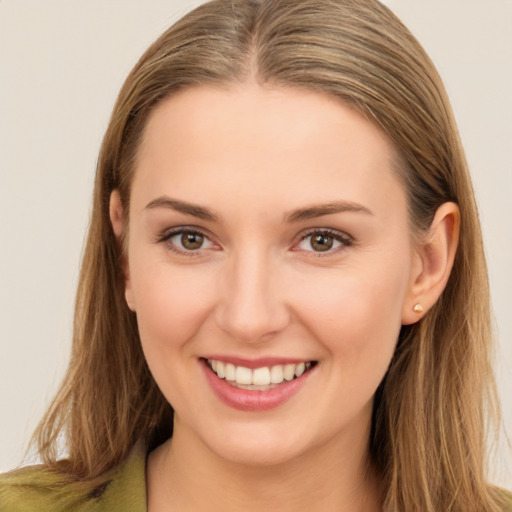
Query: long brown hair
x=428, y=433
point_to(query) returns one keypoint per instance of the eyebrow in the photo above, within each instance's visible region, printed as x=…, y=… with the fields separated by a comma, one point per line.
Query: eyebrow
x=311, y=212
x=183, y=207
x=291, y=217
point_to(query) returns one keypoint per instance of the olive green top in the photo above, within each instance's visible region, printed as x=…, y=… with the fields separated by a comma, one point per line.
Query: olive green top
x=32, y=489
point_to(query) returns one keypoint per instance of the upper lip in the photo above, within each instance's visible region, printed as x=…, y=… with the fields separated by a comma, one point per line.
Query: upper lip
x=258, y=362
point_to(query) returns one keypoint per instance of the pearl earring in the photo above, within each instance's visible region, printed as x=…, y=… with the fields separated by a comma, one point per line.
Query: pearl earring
x=418, y=308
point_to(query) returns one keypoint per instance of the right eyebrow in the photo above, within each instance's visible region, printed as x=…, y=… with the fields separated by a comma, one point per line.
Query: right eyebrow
x=183, y=207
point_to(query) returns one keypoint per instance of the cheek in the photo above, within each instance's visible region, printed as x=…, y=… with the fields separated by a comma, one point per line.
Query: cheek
x=356, y=314
x=170, y=303
x=359, y=332
x=171, y=308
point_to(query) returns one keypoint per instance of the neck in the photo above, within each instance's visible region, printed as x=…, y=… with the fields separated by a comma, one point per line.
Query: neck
x=183, y=474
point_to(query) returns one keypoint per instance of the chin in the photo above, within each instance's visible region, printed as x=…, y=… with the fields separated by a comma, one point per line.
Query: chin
x=257, y=454
x=251, y=443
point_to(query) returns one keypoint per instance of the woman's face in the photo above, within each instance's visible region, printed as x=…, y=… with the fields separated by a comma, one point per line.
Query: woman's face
x=268, y=236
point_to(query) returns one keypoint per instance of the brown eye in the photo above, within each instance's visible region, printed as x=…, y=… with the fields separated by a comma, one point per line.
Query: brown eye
x=187, y=241
x=322, y=242
x=191, y=241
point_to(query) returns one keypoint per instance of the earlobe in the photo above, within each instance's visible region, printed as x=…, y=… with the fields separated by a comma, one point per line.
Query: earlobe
x=117, y=221
x=435, y=254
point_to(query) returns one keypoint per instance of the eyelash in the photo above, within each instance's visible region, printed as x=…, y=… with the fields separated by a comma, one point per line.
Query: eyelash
x=344, y=240
x=167, y=235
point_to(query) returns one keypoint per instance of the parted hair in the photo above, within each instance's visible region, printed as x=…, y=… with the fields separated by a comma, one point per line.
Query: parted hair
x=428, y=438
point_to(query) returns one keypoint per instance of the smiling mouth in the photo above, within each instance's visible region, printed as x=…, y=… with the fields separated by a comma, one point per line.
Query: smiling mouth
x=258, y=379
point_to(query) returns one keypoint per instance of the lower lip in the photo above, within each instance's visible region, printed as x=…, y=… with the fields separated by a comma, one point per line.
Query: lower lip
x=253, y=400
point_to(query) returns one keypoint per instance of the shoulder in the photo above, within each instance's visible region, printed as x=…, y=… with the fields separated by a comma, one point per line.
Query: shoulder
x=505, y=498
x=34, y=488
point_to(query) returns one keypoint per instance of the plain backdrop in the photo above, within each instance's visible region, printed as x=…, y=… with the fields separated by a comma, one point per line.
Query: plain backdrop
x=61, y=65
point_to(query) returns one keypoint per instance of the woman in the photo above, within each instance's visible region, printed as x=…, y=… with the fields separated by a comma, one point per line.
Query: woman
x=283, y=301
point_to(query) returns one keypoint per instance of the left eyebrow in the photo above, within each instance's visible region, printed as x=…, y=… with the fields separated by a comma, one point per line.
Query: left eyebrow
x=320, y=210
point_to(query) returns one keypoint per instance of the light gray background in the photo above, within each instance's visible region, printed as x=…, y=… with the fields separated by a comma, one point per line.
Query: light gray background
x=61, y=65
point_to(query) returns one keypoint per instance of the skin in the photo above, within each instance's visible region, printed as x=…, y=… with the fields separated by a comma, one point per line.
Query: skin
x=257, y=287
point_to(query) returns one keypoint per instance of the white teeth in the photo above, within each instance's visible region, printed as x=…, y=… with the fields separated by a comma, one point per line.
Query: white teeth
x=254, y=387
x=230, y=371
x=260, y=378
x=276, y=374
x=243, y=375
x=289, y=371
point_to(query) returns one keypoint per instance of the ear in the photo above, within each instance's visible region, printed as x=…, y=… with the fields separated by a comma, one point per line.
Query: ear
x=433, y=262
x=118, y=226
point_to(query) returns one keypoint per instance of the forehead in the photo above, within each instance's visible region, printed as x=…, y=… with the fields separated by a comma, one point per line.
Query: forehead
x=262, y=141
x=254, y=112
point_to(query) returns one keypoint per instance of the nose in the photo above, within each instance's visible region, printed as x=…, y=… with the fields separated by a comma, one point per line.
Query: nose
x=252, y=307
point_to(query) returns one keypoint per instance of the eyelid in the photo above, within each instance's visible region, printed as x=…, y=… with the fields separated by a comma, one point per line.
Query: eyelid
x=167, y=234
x=344, y=238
